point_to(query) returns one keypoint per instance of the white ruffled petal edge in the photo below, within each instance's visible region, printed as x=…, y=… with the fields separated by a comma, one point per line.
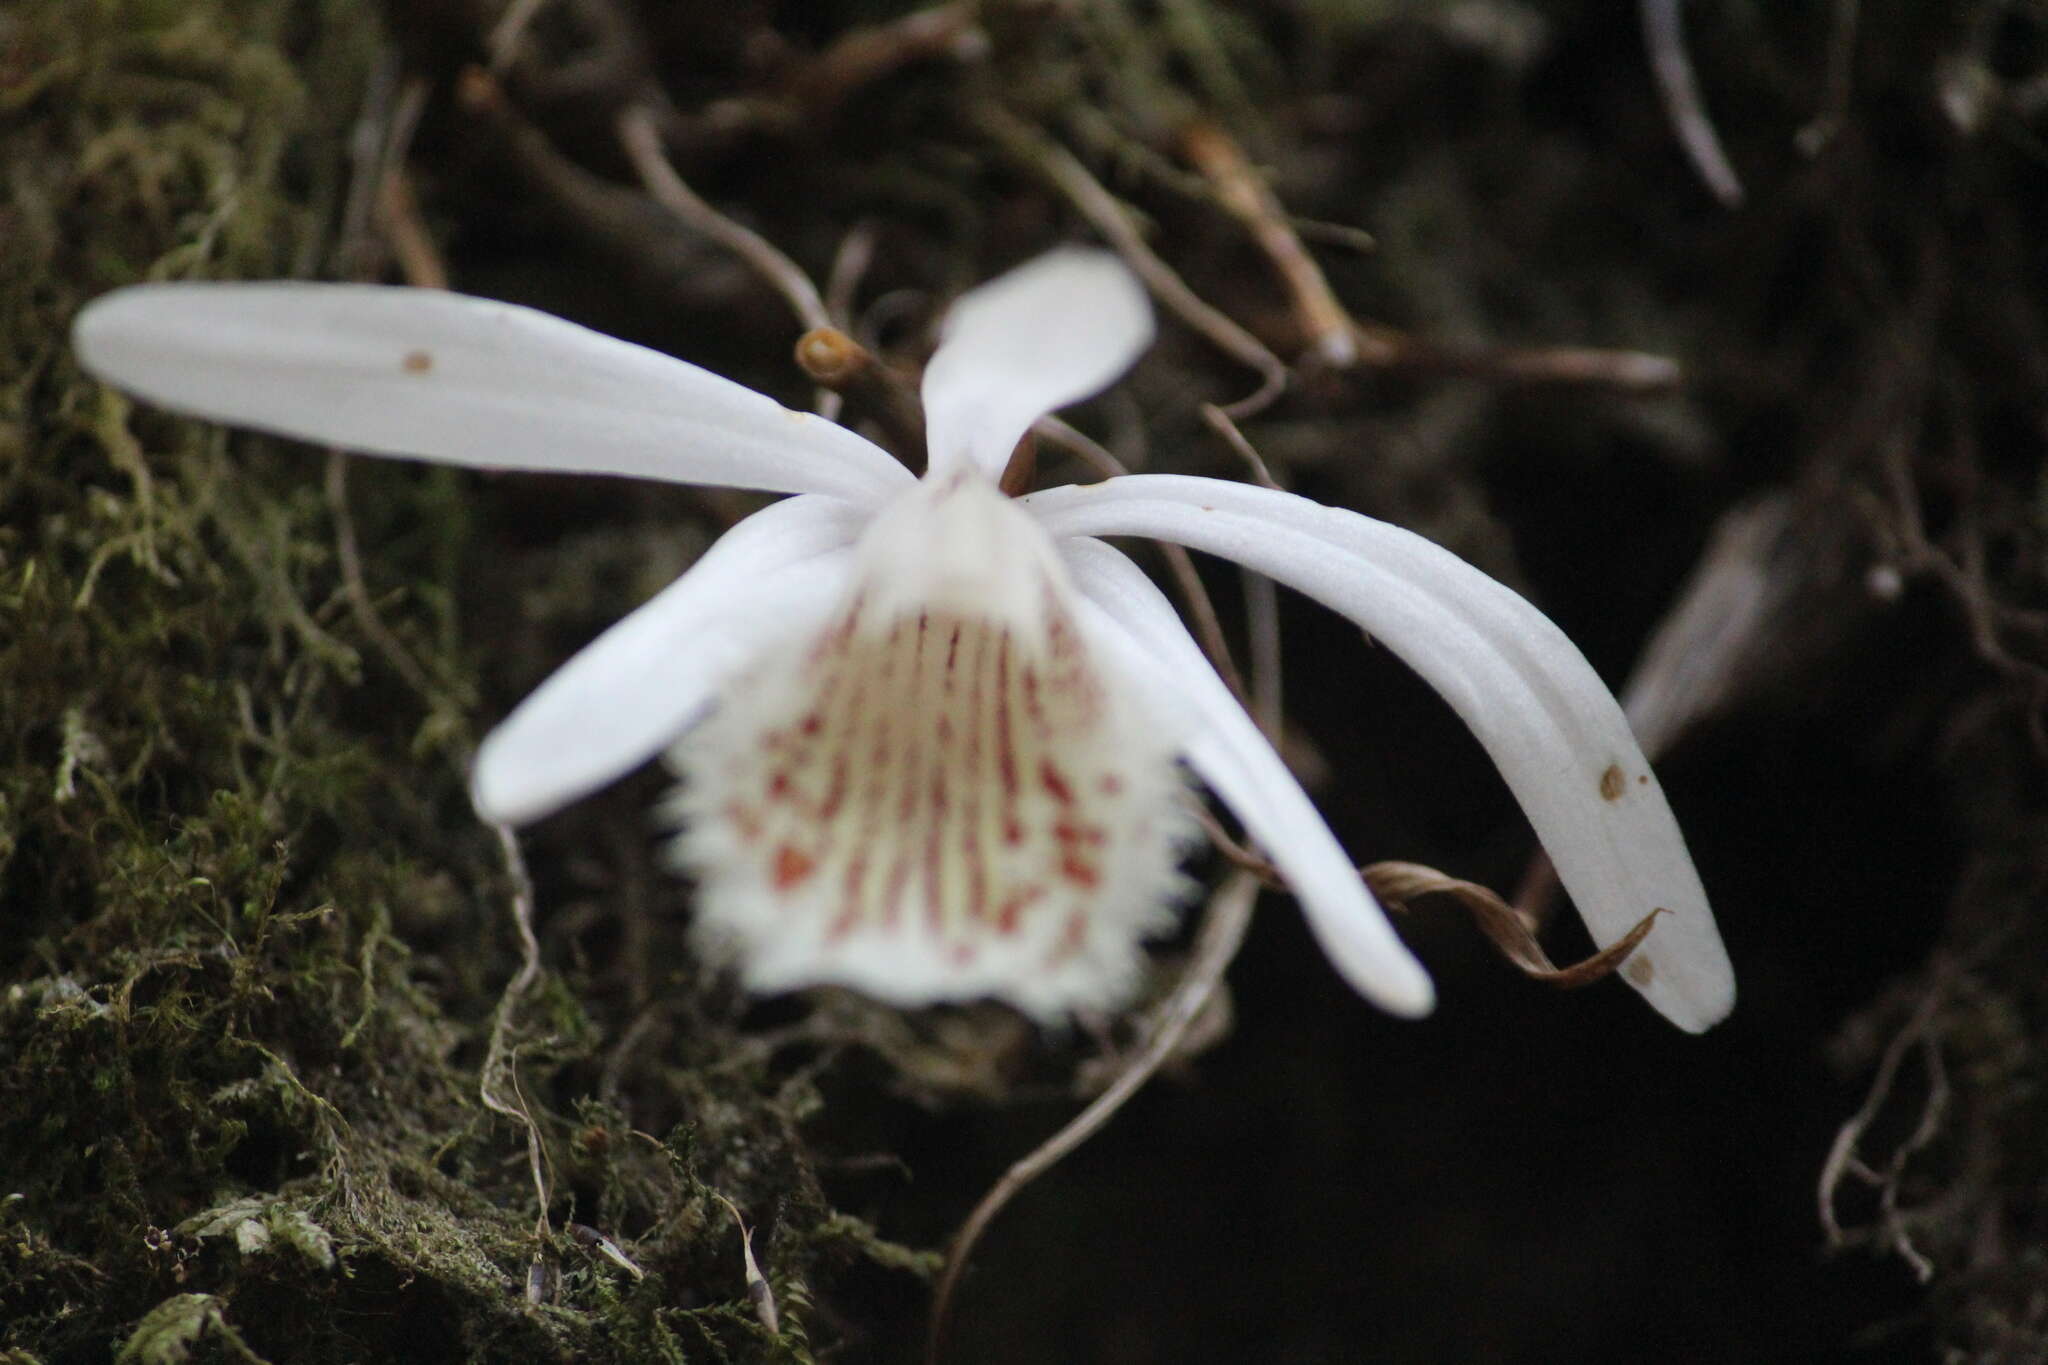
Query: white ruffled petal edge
x=630, y=692
x=1132, y=622
x=1054, y=331
x=467, y=381
x=1548, y=721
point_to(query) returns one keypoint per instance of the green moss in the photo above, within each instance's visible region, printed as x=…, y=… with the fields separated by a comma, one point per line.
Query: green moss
x=254, y=937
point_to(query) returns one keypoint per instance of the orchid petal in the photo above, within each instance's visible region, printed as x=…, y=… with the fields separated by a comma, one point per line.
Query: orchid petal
x=1133, y=619
x=634, y=689
x=1052, y=332
x=1548, y=721
x=467, y=381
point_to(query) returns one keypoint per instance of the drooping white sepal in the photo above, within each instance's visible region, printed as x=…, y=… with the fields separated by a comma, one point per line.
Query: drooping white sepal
x=628, y=694
x=1550, y=724
x=1241, y=767
x=1054, y=331
x=466, y=381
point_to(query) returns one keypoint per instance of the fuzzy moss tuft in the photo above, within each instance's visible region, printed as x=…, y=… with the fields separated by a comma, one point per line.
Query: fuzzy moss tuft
x=254, y=937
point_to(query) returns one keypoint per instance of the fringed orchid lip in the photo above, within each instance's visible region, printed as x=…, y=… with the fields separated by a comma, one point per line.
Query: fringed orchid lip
x=941, y=792
x=927, y=734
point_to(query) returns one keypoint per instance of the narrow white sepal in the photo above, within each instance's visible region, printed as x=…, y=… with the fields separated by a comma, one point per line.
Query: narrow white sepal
x=1051, y=332
x=466, y=381
x=634, y=689
x=1131, y=619
x=1543, y=714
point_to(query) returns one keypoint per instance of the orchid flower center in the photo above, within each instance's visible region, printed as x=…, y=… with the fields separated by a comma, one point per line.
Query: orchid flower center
x=940, y=787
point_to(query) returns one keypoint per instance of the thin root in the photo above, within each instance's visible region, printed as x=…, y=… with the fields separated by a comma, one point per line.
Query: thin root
x=1665, y=37
x=1060, y=168
x=1845, y=1157
x=1222, y=934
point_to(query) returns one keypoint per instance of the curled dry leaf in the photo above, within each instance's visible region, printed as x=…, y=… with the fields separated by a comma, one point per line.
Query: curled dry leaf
x=1396, y=884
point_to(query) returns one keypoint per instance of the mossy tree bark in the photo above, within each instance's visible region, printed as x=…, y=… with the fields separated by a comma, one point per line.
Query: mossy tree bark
x=255, y=950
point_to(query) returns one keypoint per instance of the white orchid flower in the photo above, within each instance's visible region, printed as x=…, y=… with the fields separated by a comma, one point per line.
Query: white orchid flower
x=928, y=735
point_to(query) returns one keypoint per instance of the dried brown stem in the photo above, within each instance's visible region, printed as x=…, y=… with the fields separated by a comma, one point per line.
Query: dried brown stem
x=1030, y=147
x=1245, y=194
x=398, y=215
x=849, y=267
x=1219, y=422
x=1208, y=627
x=1389, y=348
x=1513, y=933
x=1079, y=443
x=1262, y=630
x=862, y=56
x=367, y=618
x=874, y=387
x=621, y=221
x=1397, y=883
x=1202, y=613
x=1221, y=935
x=639, y=134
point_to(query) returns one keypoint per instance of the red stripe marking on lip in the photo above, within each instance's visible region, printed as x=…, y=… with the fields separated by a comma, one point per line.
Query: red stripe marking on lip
x=1079, y=873
x=792, y=866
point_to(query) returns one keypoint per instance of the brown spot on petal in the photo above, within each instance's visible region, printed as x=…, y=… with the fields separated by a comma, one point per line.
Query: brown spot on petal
x=1612, y=783
x=1640, y=970
x=417, y=362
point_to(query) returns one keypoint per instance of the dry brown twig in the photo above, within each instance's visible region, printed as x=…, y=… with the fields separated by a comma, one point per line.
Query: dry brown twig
x=1261, y=598
x=640, y=136
x=862, y=56
x=621, y=221
x=1216, y=945
x=1180, y=565
x=1397, y=884
x=1242, y=191
x=380, y=198
x=1032, y=148
x=849, y=267
x=435, y=692
x=398, y=213
x=1382, y=347
x=840, y=364
x=1219, y=422
x=1340, y=341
